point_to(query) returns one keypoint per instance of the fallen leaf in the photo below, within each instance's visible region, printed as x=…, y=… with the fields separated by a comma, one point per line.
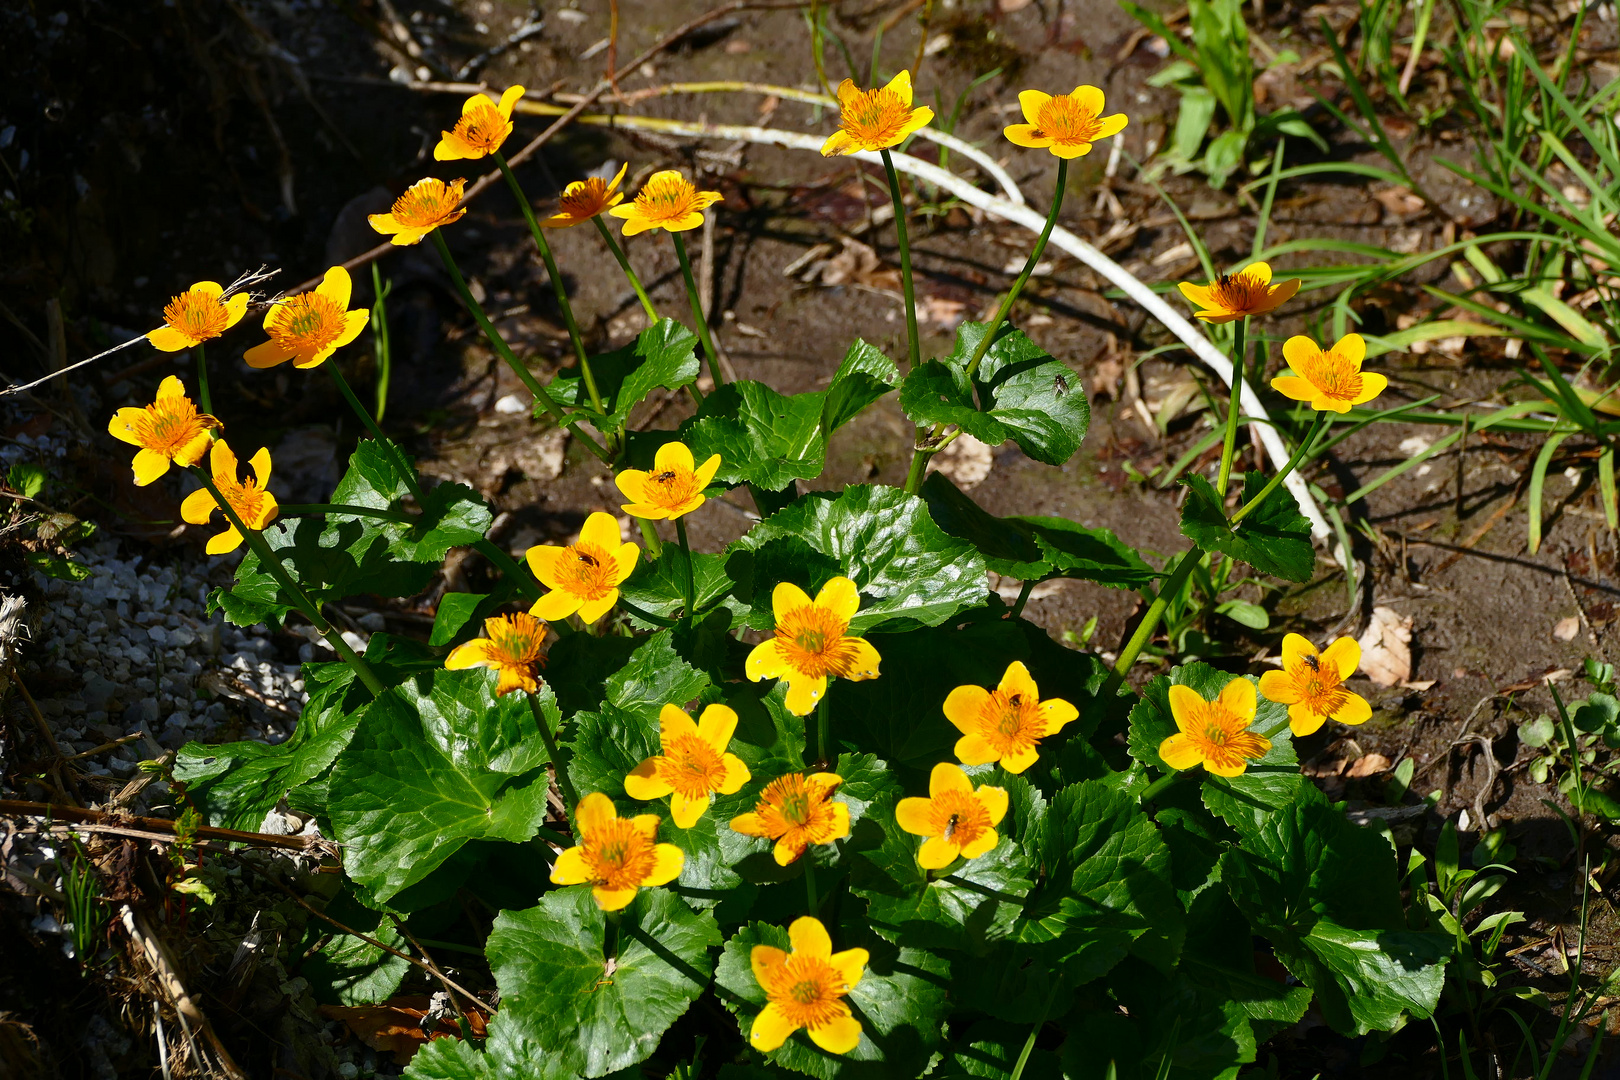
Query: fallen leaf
x=1399, y=201
x=1368, y=765
x=937, y=309
x=966, y=460
x=1419, y=685
x=1566, y=629
x=1010, y=6
x=1386, y=652
x=396, y=1025
x=856, y=263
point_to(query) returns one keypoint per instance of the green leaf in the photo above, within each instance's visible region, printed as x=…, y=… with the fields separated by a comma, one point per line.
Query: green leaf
x=578, y=667
x=559, y=992
x=457, y=610
x=659, y=587
x=908, y=570
x=762, y=437
x=1019, y=393
x=452, y=515
x=1219, y=961
x=1036, y=548
x=449, y=1059
x=438, y=761
x=662, y=355
x=865, y=375
x=991, y=1048
x=1274, y=539
x=347, y=970
x=55, y=566
x=899, y=1002
x=26, y=479
x=654, y=676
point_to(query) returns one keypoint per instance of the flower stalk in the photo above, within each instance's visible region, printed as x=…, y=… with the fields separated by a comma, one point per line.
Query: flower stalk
x=690, y=584
x=698, y=315
x=564, y=784
x=204, y=402
x=1150, y=622
x=1234, y=404
x=1023, y=278
x=406, y=470
x=1318, y=425
x=913, y=345
x=629, y=272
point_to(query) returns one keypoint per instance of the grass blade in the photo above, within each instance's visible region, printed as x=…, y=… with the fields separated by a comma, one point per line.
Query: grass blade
x=1538, y=480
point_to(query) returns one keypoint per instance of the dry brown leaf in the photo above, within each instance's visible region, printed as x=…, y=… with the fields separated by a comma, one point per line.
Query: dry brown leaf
x=1368, y=765
x=1398, y=201
x=396, y=1025
x=1386, y=648
x=1566, y=629
x=855, y=263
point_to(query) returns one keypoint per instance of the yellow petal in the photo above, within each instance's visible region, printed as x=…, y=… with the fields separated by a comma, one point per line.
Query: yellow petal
x=1111, y=125
x=509, y=98
x=633, y=483
x=786, y=851
x=770, y=1029
x=1238, y=768
x=1032, y=101
x=686, y=811
x=838, y=144
x=386, y=224
x=1239, y=696
x=810, y=938
x=1198, y=294
x=850, y=965
x=975, y=749
x=994, y=801
x=840, y=597
x=766, y=662
x=353, y=323
x=674, y=456
x=1020, y=760
x=1186, y=704
x=1258, y=271
x=983, y=845
x=919, y=118
x=901, y=85
x=1355, y=710
x=1017, y=680
x=787, y=597
x=937, y=853
x=542, y=560
x=595, y=811
x=168, y=339
x=642, y=782
x=847, y=93
x=194, y=451
x=860, y=662
x=260, y=464
x=452, y=147
x=601, y=530
x=225, y=543
x=948, y=777
x=1326, y=403
x=222, y=460
x=963, y=706
x=1070, y=151
x=122, y=425
x=763, y=959
x=804, y=692
x=613, y=899
x=268, y=511
x=1294, y=388
x=1372, y=384
x=592, y=610
x=556, y=605
x=1056, y=712
x=1279, y=686
x=266, y=355
x=474, y=653
x=837, y=1036
x=1178, y=752
x=1300, y=351
x=749, y=824
x=1025, y=135
x=716, y=726
x=1343, y=655
x=1295, y=648
x=668, y=859
x=1304, y=720
x=915, y=816
x=336, y=286
x=737, y=775
x=673, y=722
x=235, y=308
x=624, y=561
x=570, y=868
x=149, y=465
x=705, y=472
x=198, y=507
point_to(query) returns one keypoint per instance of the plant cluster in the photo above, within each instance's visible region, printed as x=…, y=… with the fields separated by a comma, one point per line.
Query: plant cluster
x=905, y=829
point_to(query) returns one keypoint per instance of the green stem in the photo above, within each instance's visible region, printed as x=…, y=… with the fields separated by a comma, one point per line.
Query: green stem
x=624, y=264
x=565, y=785
x=1029, y=1043
x=1023, y=598
x=269, y=560
x=393, y=451
x=295, y=509
x=919, y=461
x=1229, y=444
x=1317, y=426
x=498, y=343
x=823, y=729
x=697, y=310
x=379, y=339
x=810, y=885
x=1023, y=278
x=1149, y=623
x=204, y=401
x=913, y=345
x=649, y=534
x=1162, y=784
x=556, y=278
x=690, y=584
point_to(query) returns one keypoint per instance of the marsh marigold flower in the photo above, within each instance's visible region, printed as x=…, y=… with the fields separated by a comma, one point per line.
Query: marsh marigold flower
x=584, y=199
x=796, y=811
x=805, y=988
x=1331, y=380
x=694, y=765
x=250, y=498
x=1066, y=124
x=169, y=429
x=584, y=576
x=311, y=326
x=482, y=128
x=616, y=856
x=1232, y=296
x=875, y=119
x=1311, y=684
x=425, y=206
x=1214, y=733
x=812, y=642
x=957, y=818
x=673, y=488
x=666, y=201
x=1006, y=724
x=513, y=645
x=197, y=315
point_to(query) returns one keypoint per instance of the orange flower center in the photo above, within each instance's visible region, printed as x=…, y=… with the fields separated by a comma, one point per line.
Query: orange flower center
x=518, y=641
x=793, y=806
x=198, y=315
x=812, y=638
x=691, y=766
x=808, y=990
x=246, y=497
x=586, y=570
x=1011, y=723
x=1222, y=736
x=1239, y=292
x=667, y=198
x=481, y=127
x=618, y=855
x=1333, y=375
x=170, y=424
x=308, y=322
x=873, y=118
x=1065, y=121
x=957, y=816
x=668, y=489
x=1319, y=687
x=427, y=203
x=584, y=198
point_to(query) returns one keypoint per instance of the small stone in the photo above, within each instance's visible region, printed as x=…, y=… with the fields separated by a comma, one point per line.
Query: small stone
x=159, y=636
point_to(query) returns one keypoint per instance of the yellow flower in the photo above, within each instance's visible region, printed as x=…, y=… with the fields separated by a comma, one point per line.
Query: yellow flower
x=805, y=989
x=616, y=856
x=584, y=576
x=1232, y=296
x=311, y=326
x=169, y=429
x=425, y=206
x=673, y=488
x=482, y=128
x=513, y=645
x=1066, y=124
x=1006, y=724
x=668, y=201
x=812, y=641
x=197, y=315
x=1311, y=684
x=957, y=819
x=875, y=119
x=250, y=499
x=694, y=763
x=1331, y=380
x=796, y=811
x=584, y=199
x=1215, y=733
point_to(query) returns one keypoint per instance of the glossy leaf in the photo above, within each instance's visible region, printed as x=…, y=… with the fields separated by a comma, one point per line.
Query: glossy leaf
x=1274, y=539
x=663, y=355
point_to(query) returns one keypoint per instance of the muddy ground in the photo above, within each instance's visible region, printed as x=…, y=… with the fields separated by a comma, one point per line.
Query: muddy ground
x=172, y=143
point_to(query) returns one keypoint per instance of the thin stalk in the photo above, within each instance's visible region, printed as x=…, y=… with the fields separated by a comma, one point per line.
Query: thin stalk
x=1029, y=1043
x=1149, y=623
x=1229, y=443
x=1023, y=278
x=379, y=340
x=565, y=785
x=649, y=534
x=690, y=584
x=914, y=346
x=1317, y=427
x=810, y=885
x=269, y=560
x=624, y=264
x=697, y=311
x=204, y=401
x=498, y=343
x=1161, y=785
x=1023, y=598
x=296, y=509
x=556, y=278
x=919, y=464
x=823, y=730
x=393, y=451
